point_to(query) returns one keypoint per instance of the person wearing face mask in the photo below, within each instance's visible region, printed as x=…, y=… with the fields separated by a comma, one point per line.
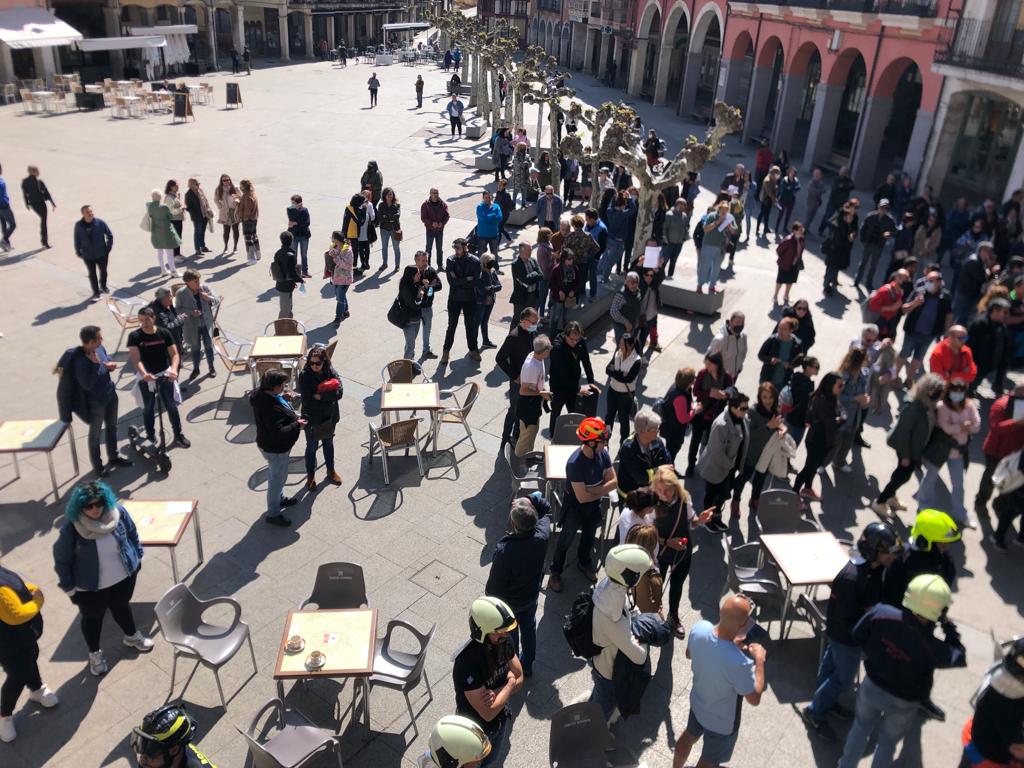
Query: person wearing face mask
x=990, y=342
x=930, y=316
x=569, y=359
x=731, y=343
x=952, y=358
x=724, y=456
x=956, y=417
x=463, y=272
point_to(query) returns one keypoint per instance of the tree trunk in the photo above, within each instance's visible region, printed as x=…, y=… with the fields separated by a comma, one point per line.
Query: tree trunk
x=465, y=67
x=540, y=127
x=474, y=73
x=647, y=200
x=518, y=116
x=496, y=103
x=556, y=168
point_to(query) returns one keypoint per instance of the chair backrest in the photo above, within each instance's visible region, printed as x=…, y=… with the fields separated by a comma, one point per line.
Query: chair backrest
x=338, y=585
x=412, y=678
x=175, y=287
x=399, y=434
x=263, y=366
x=565, y=429
x=470, y=401
x=260, y=757
x=579, y=735
x=178, y=613
x=400, y=372
x=124, y=317
x=741, y=555
x=232, y=363
x=780, y=511
x=330, y=349
x=286, y=326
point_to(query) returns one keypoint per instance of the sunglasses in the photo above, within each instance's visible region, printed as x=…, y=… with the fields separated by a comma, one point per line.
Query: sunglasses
x=316, y=362
x=742, y=407
x=95, y=504
x=800, y=309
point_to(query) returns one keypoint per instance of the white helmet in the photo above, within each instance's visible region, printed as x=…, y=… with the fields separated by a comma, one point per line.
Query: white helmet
x=489, y=614
x=457, y=741
x=626, y=563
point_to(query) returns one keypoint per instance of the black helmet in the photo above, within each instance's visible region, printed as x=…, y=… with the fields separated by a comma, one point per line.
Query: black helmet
x=1013, y=661
x=163, y=728
x=879, y=538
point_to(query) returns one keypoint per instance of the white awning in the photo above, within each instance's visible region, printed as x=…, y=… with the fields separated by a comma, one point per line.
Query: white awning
x=121, y=43
x=35, y=28
x=166, y=29
x=407, y=25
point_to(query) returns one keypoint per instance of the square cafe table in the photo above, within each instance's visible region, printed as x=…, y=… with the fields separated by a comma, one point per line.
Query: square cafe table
x=424, y=396
x=348, y=639
x=36, y=435
x=278, y=347
x=163, y=523
x=805, y=560
x=555, y=459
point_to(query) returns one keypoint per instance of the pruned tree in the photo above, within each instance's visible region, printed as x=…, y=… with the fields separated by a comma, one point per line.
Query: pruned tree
x=595, y=121
x=549, y=89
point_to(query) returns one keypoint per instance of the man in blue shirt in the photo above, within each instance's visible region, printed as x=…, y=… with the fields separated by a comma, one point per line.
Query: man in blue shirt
x=7, y=223
x=599, y=233
x=488, y=225
x=725, y=670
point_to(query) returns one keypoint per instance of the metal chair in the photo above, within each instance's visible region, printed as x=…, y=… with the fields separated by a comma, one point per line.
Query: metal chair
x=402, y=372
x=814, y=612
x=180, y=616
x=262, y=365
x=399, y=670
x=527, y=471
x=285, y=326
x=762, y=585
x=233, y=363
x=124, y=315
x=399, y=435
x=460, y=413
x=330, y=349
x=294, y=744
x=565, y=429
x=338, y=585
x=781, y=511
x=579, y=736
x=175, y=287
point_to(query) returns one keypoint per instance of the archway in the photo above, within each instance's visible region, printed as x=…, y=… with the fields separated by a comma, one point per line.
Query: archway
x=676, y=38
x=851, y=105
x=701, y=77
x=901, y=80
x=978, y=145
x=564, y=47
x=549, y=38
x=808, y=62
x=768, y=69
x=650, y=62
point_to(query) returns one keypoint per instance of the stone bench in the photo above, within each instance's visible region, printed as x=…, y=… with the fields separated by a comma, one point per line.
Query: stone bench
x=678, y=292
x=520, y=217
x=484, y=162
x=474, y=131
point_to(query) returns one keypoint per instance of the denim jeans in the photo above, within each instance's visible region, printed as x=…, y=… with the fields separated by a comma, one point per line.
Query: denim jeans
x=427, y=315
x=556, y=317
x=926, y=491
x=519, y=193
x=285, y=303
x=877, y=709
x=102, y=416
x=708, y=262
x=591, y=268
x=868, y=264
x=499, y=743
x=434, y=241
x=409, y=330
x=671, y=251
x=586, y=521
x=311, y=444
x=963, y=307
x=387, y=236
x=610, y=258
x=199, y=235
x=302, y=244
x=836, y=674
x=341, y=297
x=488, y=244
x=526, y=631
x=603, y=694
x=542, y=296
x=202, y=339
x=7, y=223
x=166, y=388
x=277, y=476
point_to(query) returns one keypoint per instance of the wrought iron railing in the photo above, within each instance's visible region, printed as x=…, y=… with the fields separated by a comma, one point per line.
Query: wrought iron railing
x=983, y=45
x=923, y=8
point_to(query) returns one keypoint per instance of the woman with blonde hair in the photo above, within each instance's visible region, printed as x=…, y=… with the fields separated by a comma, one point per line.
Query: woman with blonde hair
x=162, y=235
x=248, y=213
x=226, y=198
x=650, y=590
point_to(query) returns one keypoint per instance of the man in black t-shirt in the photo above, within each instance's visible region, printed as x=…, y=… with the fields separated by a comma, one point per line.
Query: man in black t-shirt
x=487, y=672
x=153, y=352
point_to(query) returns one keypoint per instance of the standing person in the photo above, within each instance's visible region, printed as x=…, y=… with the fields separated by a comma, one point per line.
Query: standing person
x=517, y=570
x=434, y=215
x=172, y=199
x=488, y=225
x=197, y=302
x=277, y=430
x=625, y=308
x=373, y=180
x=876, y=231
x=549, y=208
x=838, y=194
x=569, y=359
x=97, y=557
x=447, y=59
x=153, y=353
x=227, y=199
x=510, y=358
x=620, y=398
x=956, y=419
x=789, y=259
x=373, y=84
x=248, y=213
x=675, y=232
x=730, y=342
x=780, y=353
x=650, y=300
x=321, y=390
x=994, y=736
x=340, y=258
x=724, y=456
x=618, y=213
x=236, y=61
x=801, y=312
x=566, y=288
x=286, y=275
x=520, y=174
x=86, y=389
x=716, y=226
x=769, y=197
x=419, y=91
x=794, y=406
x=532, y=392
x=162, y=235
x=815, y=195
x=678, y=409
x=526, y=280
x=952, y=359
x=487, y=673
x=388, y=214
x=854, y=400
x=410, y=298
x=545, y=256
x=589, y=478
x=430, y=285
x=825, y=418
x=725, y=668
x=789, y=186
x=908, y=439
x=247, y=60
x=36, y=197
x=838, y=246
x=93, y=243
x=486, y=289
x=298, y=225
x=463, y=272
x=930, y=316
x=711, y=389
x=597, y=231
x=356, y=226
x=764, y=424
x=971, y=281
x=7, y=222
x=1005, y=436
x=504, y=201
x=454, y=108
x=500, y=153
x=853, y=592
x=21, y=626
x=901, y=655
x=570, y=171
x=199, y=211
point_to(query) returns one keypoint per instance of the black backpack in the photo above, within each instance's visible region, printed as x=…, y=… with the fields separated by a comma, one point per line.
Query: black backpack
x=579, y=627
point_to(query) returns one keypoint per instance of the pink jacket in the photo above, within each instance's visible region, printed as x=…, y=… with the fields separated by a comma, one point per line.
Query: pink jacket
x=958, y=424
x=342, y=274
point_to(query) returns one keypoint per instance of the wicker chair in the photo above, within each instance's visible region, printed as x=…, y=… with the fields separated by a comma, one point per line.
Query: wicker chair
x=233, y=363
x=460, y=413
x=397, y=436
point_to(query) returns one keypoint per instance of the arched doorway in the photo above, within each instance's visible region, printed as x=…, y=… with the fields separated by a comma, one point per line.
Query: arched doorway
x=564, y=47
x=906, y=100
x=851, y=105
x=980, y=140
x=677, y=35
x=809, y=59
x=707, y=76
x=650, y=64
x=772, y=59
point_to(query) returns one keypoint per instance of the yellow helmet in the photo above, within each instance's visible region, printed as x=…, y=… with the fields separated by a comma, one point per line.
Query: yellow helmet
x=489, y=614
x=933, y=527
x=928, y=596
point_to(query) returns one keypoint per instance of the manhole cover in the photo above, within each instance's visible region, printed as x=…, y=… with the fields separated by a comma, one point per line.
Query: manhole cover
x=437, y=578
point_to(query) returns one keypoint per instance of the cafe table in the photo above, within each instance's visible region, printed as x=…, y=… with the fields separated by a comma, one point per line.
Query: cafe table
x=804, y=560
x=33, y=436
x=163, y=523
x=286, y=348
x=555, y=459
x=423, y=396
x=347, y=638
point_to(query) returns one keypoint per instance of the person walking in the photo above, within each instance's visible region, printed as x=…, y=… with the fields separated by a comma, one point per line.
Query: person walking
x=162, y=234
x=200, y=213
x=373, y=84
x=7, y=222
x=197, y=303
x=285, y=271
x=510, y=358
x=454, y=109
x=956, y=419
x=298, y=225
x=789, y=259
x=463, y=272
x=838, y=194
x=825, y=418
x=339, y=257
x=727, y=670
x=93, y=244
x=486, y=290
x=795, y=398
x=37, y=195
x=277, y=430
x=227, y=199
x=570, y=359
x=598, y=233
x=419, y=91
x=876, y=231
x=434, y=215
x=21, y=626
x=86, y=389
x=248, y=214
x=321, y=390
x=388, y=215
x=517, y=570
x=172, y=199
x=97, y=557
x=815, y=195
x=153, y=353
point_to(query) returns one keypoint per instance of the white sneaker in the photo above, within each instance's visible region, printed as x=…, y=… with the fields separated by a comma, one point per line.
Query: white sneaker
x=7, y=732
x=176, y=273
x=138, y=641
x=98, y=664
x=44, y=697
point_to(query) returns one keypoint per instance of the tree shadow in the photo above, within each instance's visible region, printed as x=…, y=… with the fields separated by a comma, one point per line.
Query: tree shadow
x=59, y=313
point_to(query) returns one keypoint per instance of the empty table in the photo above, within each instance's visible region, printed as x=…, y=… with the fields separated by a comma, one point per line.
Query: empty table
x=425, y=396
x=278, y=347
x=804, y=560
x=36, y=435
x=555, y=459
x=163, y=523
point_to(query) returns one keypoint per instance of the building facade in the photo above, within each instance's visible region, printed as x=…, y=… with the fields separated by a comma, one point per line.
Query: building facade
x=517, y=12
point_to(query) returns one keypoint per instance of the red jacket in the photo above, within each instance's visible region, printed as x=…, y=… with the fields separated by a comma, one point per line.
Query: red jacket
x=1004, y=434
x=951, y=365
x=884, y=296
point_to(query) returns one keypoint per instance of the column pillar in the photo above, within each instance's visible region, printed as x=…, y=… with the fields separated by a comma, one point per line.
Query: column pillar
x=282, y=24
x=112, y=28
x=580, y=47
x=602, y=62
x=873, y=120
x=1016, y=180
x=662, y=75
x=913, y=163
x=238, y=33
x=330, y=32
x=690, y=80
x=6, y=64
x=822, y=132
x=636, y=68
x=307, y=26
x=730, y=82
x=793, y=89
x=350, y=25
x=753, y=115
x=43, y=59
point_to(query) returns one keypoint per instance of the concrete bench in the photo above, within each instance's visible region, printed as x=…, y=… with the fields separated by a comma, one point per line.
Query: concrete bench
x=474, y=131
x=520, y=217
x=678, y=292
x=484, y=162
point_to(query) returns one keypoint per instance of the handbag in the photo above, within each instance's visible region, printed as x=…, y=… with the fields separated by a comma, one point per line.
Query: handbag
x=398, y=316
x=397, y=235
x=147, y=223
x=324, y=430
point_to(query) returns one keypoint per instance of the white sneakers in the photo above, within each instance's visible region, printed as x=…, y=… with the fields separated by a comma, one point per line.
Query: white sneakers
x=98, y=664
x=138, y=641
x=44, y=697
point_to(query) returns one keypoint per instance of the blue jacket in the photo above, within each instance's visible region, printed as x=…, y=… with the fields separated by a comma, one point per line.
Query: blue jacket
x=82, y=385
x=5, y=201
x=488, y=219
x=94, y=244
x=618, y=220
x=75, y=559
x=556, y=209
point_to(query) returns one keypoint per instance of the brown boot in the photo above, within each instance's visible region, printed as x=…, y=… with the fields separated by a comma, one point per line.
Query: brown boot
x=311, y=483
x=334, y=478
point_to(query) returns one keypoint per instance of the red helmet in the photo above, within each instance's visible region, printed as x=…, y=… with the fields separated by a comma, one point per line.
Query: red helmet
x=592, y=428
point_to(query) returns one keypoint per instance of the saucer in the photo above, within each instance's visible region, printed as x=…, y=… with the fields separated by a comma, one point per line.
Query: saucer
x=311, y=665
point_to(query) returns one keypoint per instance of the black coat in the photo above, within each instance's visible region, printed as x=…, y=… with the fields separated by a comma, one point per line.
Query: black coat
x=517, y=567
x=277, y=427
x=837, y=245
x=636, y=467
x=990, y=343
x=316, y=412
x=513, y=352
x=567, y=363
x=287, y=264
x=525, y=277
x=770, y=349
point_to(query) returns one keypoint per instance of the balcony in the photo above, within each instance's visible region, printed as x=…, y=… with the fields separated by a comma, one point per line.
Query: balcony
x=920, y=8
x=552, y=6
x=370, y=6
x=985, y=46
x=504, y=8
x=613, y=12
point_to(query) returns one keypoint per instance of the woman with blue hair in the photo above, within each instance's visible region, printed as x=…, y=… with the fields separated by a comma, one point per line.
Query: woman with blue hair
x=97, y=557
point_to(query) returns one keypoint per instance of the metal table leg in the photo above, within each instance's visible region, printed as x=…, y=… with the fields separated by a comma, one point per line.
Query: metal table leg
x=53, y=476
x=174, y=566
x=74, y=450
x=17, y=469
x=280, y=689
x=198, y=532
x=785, y=610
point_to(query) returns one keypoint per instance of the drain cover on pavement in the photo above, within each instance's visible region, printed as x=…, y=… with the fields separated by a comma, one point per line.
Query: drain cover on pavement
x=437, y=578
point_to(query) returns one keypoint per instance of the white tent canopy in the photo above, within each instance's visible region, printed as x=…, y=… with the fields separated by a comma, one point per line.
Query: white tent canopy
x=405, y=26
x=176, y=51
x=35, y=28
x=120, y=43
x=166, y=29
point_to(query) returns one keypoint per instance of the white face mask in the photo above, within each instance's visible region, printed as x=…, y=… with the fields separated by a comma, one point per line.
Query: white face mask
x=931, y=286
x=532, y=328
